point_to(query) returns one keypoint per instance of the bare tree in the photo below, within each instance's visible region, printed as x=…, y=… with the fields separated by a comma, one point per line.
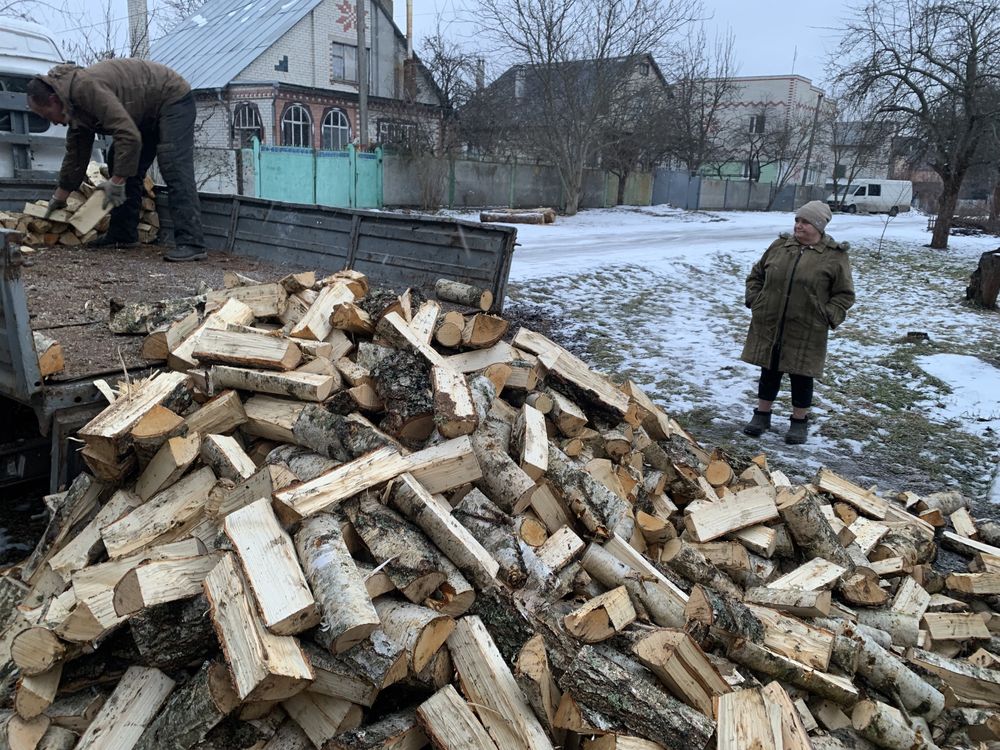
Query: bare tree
x=787, y=145
x=634, y=138
x=171, y=12
x=694, y=124
x=454, y=71
x=104, y=40
x=859, y=138
x=936, y=65
x=576, y=57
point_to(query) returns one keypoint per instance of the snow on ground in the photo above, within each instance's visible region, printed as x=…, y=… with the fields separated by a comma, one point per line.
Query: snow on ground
x=656, y=294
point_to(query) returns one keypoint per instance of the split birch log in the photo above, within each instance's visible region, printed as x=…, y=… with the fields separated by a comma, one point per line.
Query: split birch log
x=168, y=465
x=182, y=356
x=503, y=481
x=601, y=617
x=419, y=630
x=246, y=349
x=336, y=436
x=35, y=693
x=746, y=508
x=192, y=711
x=315, y=324
x=130, y=709
x=792, y=601
x=301, y=385
x=220, y=415
x=680, y=664
x=227, y=458
x=347, y=316
x=720, y=615
x=266, y=300
x=434, y=516
x=361, y=673
x=348, y=616
x=425, y=319
x=811, y=530
x=161, y=581
x=397, y=731
x=600, y=510
x=163, y=339
x=535, y=679
x=888, y=728
x=320, y=716
x=648, y=596
x=84, y=548
x=449, y=328
x=530, y=442
x=264, y=666
x=765, y=661
x=450, y=724
x=903, y=627
x=494, y=530
x=463, y=294
x=692, y=565
x=618, y=695
x=487, y=681
x=17, y=732
x=49, y=353
x=746, y=719
x=454, y=413
x=272, y=568
x=413, y=564
x=892, y=677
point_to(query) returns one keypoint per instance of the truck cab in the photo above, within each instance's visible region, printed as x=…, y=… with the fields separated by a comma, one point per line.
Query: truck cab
x=30, y=146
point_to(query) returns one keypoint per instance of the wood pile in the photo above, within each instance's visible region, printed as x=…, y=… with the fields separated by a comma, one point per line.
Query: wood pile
x=81, y=221
x=322, y=528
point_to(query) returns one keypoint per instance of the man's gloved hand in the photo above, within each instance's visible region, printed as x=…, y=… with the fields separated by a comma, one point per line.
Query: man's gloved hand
x=114, y=194
x=54, y=205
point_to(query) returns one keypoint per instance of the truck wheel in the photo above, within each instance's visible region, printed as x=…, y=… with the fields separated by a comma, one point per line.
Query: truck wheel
x=894, y=211
x=852, y=209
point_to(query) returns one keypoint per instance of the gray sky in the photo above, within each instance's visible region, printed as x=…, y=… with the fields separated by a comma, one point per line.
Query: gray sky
x=770, y=37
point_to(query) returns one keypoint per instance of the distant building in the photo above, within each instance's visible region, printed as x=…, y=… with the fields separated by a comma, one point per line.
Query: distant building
x=768, y=118
x=286, y=71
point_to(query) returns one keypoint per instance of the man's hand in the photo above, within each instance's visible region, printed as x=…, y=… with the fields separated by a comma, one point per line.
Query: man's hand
x=114, y=193
x=55, y=204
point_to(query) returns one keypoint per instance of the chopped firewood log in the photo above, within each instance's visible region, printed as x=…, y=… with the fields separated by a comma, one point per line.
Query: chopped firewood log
x=746, y=508
x=842, y=489
x=974, y=583
x=419, y=630
x=105, y=432
x=160, y=581
x=902, y=626
x=36, y=650
x=448, y=330
x=765, y=661
x=347, y=316
x=347, y=612
x=49, y=353
x=266, y=300
x=650, y=597
x=255, y=350
x=219, y=415
x=268, y=559
x=618, y=695
x=168, y=465
x=946, y=626
x=794, y=732
x=87, y=545
x=810, y=529
x=463, y=294
x=263, y=666
x=692, y=565
x=360, y=673
x=680, y=664
x=494, y=530
x=89, y=215
x=315, y=324
x=967, y=682
x=482, y=331
x=815, y=575
x=398, y=730
x=887, y=727
x=491, y=689
x=795, y=639
x=506, y=483
x=182, y=356
x=439, y=468
x=301, y=385
x=130, y=709
x=433, y=515
x=963, y=524
x=601, y=617
x=535, y=679
x=531, y=442
x=792, y=601
x=450, y=724
x=321, y=716
x=746, y=720
x=191, y=711
x=163, y=516
x=35, y=693
x=227, y=458
x=415, y=566
x=454, y=413
x=425, y=320
x=601, y=511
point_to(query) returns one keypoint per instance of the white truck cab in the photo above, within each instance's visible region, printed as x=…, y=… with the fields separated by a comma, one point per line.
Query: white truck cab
x=30, y=147
x=873, y=196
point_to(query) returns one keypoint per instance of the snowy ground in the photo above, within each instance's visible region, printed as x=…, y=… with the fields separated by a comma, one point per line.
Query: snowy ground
x=656, y=294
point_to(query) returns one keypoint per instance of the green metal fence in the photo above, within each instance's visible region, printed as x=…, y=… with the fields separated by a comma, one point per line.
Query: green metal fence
x=346, y=179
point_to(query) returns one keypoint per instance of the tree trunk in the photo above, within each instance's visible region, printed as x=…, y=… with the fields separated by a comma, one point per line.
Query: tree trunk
x=946, y=210
x=622, y=182
x=985, y=282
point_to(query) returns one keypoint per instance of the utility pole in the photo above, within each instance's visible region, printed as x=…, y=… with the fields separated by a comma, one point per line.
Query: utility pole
x=812, y=136
x=362, y=76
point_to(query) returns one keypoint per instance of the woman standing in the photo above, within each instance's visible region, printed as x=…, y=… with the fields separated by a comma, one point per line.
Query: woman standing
x=798, y=291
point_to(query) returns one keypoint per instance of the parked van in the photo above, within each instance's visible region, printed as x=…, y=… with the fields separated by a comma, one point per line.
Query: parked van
x=873, y=196
x=30, y=147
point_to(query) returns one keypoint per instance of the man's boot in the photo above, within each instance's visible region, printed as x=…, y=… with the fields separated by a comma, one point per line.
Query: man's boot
x=184, y=253
x=798, y=431
x=110, y=240
x=760, y=423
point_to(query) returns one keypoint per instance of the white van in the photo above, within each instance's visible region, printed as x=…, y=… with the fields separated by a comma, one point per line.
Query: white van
x=873, y=196
x=30, y=147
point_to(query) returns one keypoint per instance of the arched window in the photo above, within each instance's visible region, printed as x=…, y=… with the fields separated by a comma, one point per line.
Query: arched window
x=336, y=130
x=247, y=124
x=296, y=127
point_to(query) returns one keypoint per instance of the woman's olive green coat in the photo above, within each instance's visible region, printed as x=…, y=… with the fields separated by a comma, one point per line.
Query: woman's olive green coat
x=796, y=295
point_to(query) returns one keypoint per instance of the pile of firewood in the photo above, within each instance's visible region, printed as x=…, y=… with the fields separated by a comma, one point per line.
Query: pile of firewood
x=83, y=218
x=324, y=527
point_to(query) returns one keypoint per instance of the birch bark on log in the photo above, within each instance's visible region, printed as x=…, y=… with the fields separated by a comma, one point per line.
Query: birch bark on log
x=494, y=530
x=688, y=562
x=348, y=616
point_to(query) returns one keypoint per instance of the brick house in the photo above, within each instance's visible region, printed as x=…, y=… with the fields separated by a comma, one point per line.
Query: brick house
x=286, y=72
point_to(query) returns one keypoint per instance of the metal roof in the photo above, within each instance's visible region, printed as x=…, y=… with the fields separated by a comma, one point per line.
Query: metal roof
x=214, y=45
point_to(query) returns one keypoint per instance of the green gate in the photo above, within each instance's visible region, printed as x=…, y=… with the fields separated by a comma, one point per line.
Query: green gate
x=345, y=179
